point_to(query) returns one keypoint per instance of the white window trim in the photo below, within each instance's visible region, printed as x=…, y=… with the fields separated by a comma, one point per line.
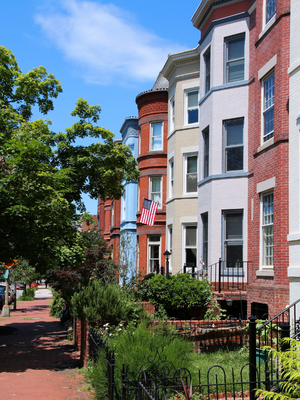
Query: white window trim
x=266, y=76
x=190, y=90
x=263, y=267
x=266, y=24
x=150, y=188
x=207, y=51
x=185, y=157
x=170, y=227
x=171, y=179
x=151, y=135
x=150, y=243
x=225, y=61
x=172, y=114
x=225, y=122
x=184, y=225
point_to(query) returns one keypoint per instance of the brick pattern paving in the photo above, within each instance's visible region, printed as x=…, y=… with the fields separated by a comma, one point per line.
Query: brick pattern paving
x=36, y=360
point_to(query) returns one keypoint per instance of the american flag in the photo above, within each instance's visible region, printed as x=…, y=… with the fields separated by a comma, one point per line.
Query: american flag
x=148, y=212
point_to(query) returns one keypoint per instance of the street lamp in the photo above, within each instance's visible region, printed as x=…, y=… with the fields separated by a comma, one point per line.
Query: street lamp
x=167, y=255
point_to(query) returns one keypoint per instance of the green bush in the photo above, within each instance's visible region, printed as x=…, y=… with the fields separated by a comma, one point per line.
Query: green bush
x=57, y=304
x=179, y=291
x=28, y=296
x=97, y=302
x=134, y=347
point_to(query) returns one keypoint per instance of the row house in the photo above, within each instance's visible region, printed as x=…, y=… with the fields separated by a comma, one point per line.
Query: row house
x=152, y=164
x=294, y=153
x=268, y=187
x=223, y=141
x=129, y=132
x=182, y=72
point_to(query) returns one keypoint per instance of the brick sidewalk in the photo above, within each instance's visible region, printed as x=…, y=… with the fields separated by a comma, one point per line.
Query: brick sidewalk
x=36, y=360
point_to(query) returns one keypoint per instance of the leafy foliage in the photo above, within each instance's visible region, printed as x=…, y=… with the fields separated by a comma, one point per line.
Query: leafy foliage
x=28, y=295
x=289, y=361
x=97, y=302
x=43, y=174
x=134, y=347
x=174, y=293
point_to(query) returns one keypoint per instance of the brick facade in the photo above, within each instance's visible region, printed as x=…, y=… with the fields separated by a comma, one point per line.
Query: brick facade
x=153, y=107
x=268, y=161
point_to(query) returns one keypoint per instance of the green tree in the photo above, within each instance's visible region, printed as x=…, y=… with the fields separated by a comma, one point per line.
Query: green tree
x=43, y=174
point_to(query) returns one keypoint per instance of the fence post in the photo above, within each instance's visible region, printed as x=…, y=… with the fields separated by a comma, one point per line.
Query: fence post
x=193, y=271
x=285, y=333
x=252, y=356
x=220, y=266
x=123, y=377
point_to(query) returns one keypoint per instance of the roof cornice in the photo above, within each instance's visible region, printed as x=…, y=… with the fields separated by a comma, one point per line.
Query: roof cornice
x=184, y=57
x=205, y=9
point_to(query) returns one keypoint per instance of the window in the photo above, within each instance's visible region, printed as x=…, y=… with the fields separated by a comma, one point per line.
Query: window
x=171, y=179
x=206, y=153
x=140, y=141
x=267, y=230
x=156, y=136
x=233, y=240
x=234, y=58
x=191, y=175
x=207, y=70
x=170, y=244
x=268, y=107
x=192, y=107
x=155, y=190
x=190, y=245
x=172, y=119
x=233, y=145
x=153, y=253
x=205, y=239
x=270, y=9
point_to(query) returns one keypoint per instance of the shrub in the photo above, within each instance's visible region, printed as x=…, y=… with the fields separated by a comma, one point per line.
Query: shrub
x=179, y=291
x=134, y=347
x=57, y=304
x=28, y=296
x=97, y=302
x=289, y=361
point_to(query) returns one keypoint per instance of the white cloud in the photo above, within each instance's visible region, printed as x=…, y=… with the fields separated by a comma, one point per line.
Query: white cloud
x=105, y=42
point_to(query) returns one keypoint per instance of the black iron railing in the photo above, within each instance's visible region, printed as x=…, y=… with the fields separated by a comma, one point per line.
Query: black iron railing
x=226, y=276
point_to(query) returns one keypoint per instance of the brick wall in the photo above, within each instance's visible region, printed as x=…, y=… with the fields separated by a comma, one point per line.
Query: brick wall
x=271, y=162
x=153, y=107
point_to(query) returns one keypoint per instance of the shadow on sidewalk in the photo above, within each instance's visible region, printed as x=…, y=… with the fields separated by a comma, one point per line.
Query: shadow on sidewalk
x=35, y=344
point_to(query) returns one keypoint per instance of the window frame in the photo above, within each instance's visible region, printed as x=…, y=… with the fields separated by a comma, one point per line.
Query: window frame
x=185, y=174
x=152, y=137
x=184, y=245
x=226, y=147
x=187, y=108
x=204, y=219
x=170, y=244
x=152, y=193
x=205, y=135
x=171, y=178
x=237, y=270
x=262, y=229
x=265, y=110
x=207, y=70
x=267, y=18
x=172, y=114
x=227, y=62
x=150, y=245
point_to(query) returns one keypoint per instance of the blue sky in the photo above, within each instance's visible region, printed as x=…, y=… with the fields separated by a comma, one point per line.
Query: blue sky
x=106, y=52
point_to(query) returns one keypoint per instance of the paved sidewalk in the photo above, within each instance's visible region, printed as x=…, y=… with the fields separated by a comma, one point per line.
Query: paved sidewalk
x=36, y=360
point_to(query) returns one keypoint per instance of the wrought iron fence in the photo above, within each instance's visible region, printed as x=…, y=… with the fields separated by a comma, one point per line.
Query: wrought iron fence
x=158, y=378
